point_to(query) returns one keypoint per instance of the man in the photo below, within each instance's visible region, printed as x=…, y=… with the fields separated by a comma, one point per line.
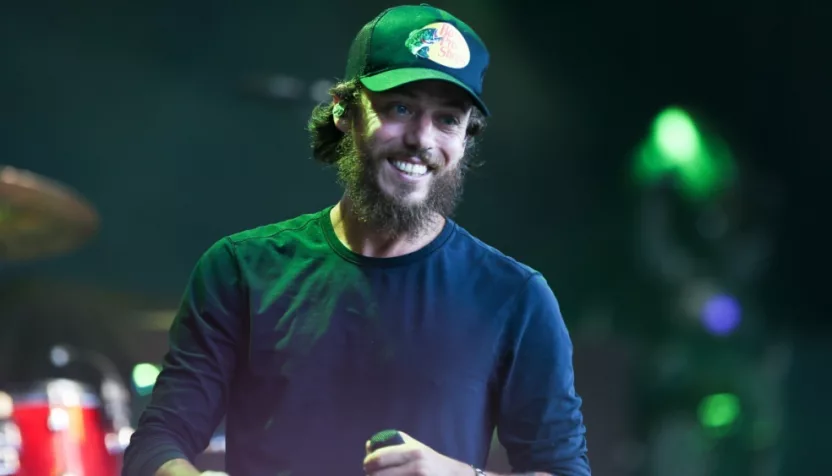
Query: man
x=312, y=334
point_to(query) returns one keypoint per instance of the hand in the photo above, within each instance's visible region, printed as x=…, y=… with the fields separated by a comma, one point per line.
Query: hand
x=411, y=459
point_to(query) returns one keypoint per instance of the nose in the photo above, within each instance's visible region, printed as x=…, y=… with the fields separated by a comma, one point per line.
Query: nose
x=420, y=132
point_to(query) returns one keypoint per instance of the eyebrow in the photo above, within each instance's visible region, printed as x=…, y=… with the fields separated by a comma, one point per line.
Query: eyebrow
x=460, y=104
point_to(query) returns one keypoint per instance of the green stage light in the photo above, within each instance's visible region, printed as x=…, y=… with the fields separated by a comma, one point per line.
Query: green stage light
x=144, y=378
x=719, y=412
x=678, y=147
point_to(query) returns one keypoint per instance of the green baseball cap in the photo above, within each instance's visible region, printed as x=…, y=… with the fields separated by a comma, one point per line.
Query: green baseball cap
x=411, y=43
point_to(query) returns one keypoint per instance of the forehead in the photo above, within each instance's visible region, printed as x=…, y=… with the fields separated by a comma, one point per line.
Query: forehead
x=435, y=92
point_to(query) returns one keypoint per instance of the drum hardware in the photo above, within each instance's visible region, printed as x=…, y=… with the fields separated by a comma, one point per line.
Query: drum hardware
x=114, y=392
x=9, y=438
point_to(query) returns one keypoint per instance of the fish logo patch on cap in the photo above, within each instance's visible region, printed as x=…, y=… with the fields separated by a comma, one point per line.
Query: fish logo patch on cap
x=441, y=43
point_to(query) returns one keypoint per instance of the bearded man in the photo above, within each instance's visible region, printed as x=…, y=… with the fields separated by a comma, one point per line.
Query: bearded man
x=379, y=312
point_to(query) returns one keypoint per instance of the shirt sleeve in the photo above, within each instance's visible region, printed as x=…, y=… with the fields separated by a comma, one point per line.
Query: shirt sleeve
x=190, y=396
x=540, y=422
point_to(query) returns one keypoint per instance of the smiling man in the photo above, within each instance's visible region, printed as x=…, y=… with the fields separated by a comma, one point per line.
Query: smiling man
x=312, y=334
x=401, y=159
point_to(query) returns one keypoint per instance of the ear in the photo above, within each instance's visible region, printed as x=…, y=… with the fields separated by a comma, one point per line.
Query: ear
x=339, y=115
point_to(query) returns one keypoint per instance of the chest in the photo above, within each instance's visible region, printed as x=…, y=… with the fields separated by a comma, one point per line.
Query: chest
x=353, y=326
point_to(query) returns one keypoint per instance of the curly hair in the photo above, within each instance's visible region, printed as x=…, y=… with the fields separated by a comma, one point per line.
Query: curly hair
x=326, y=138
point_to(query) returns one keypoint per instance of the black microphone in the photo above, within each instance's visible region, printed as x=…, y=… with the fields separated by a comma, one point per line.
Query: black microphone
x=385, y=438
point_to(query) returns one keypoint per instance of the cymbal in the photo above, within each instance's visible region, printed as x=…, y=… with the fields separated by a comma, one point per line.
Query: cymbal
x=40, y=217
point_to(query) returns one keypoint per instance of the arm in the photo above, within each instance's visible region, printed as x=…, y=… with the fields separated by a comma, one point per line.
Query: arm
x=190, y=396
x=540, y=422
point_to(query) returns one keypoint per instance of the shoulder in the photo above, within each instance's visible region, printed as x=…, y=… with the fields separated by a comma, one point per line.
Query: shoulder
x=487, y=259
x=524, y=287
x=271, y=239
x=286, y=228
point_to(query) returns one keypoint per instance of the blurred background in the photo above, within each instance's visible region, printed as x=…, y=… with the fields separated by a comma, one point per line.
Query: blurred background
x=663, y=164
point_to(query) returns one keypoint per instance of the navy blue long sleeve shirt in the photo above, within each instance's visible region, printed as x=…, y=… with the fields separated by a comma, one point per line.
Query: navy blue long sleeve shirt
x=307, y=349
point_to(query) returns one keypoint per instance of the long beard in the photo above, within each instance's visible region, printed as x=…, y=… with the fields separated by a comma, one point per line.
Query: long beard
x=391, y=216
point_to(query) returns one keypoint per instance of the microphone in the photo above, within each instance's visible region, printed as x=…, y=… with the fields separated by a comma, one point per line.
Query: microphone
x=384, y=439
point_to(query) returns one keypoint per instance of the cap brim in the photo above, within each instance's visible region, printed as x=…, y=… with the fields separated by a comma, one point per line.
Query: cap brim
x=397, y=77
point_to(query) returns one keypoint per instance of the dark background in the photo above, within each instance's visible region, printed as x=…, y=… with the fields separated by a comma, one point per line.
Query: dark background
x=160, y=114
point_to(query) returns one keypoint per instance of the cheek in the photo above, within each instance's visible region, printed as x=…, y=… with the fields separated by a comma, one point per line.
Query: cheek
x=454, y=151
x=384, y=137
x=388, y=132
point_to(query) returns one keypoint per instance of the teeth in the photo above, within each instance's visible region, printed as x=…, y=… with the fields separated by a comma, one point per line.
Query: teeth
x=409, y=168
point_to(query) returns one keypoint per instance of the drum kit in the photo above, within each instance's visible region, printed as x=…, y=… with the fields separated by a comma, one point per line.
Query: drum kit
x=57, y=427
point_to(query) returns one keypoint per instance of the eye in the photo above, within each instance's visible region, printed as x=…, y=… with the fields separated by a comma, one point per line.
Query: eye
x=400, y=109
x=449, y=120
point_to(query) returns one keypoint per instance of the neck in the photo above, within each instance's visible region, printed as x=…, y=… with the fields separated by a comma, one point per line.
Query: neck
x=361, y=238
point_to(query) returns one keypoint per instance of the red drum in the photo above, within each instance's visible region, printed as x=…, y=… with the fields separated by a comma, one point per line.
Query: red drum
x=63, y=431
